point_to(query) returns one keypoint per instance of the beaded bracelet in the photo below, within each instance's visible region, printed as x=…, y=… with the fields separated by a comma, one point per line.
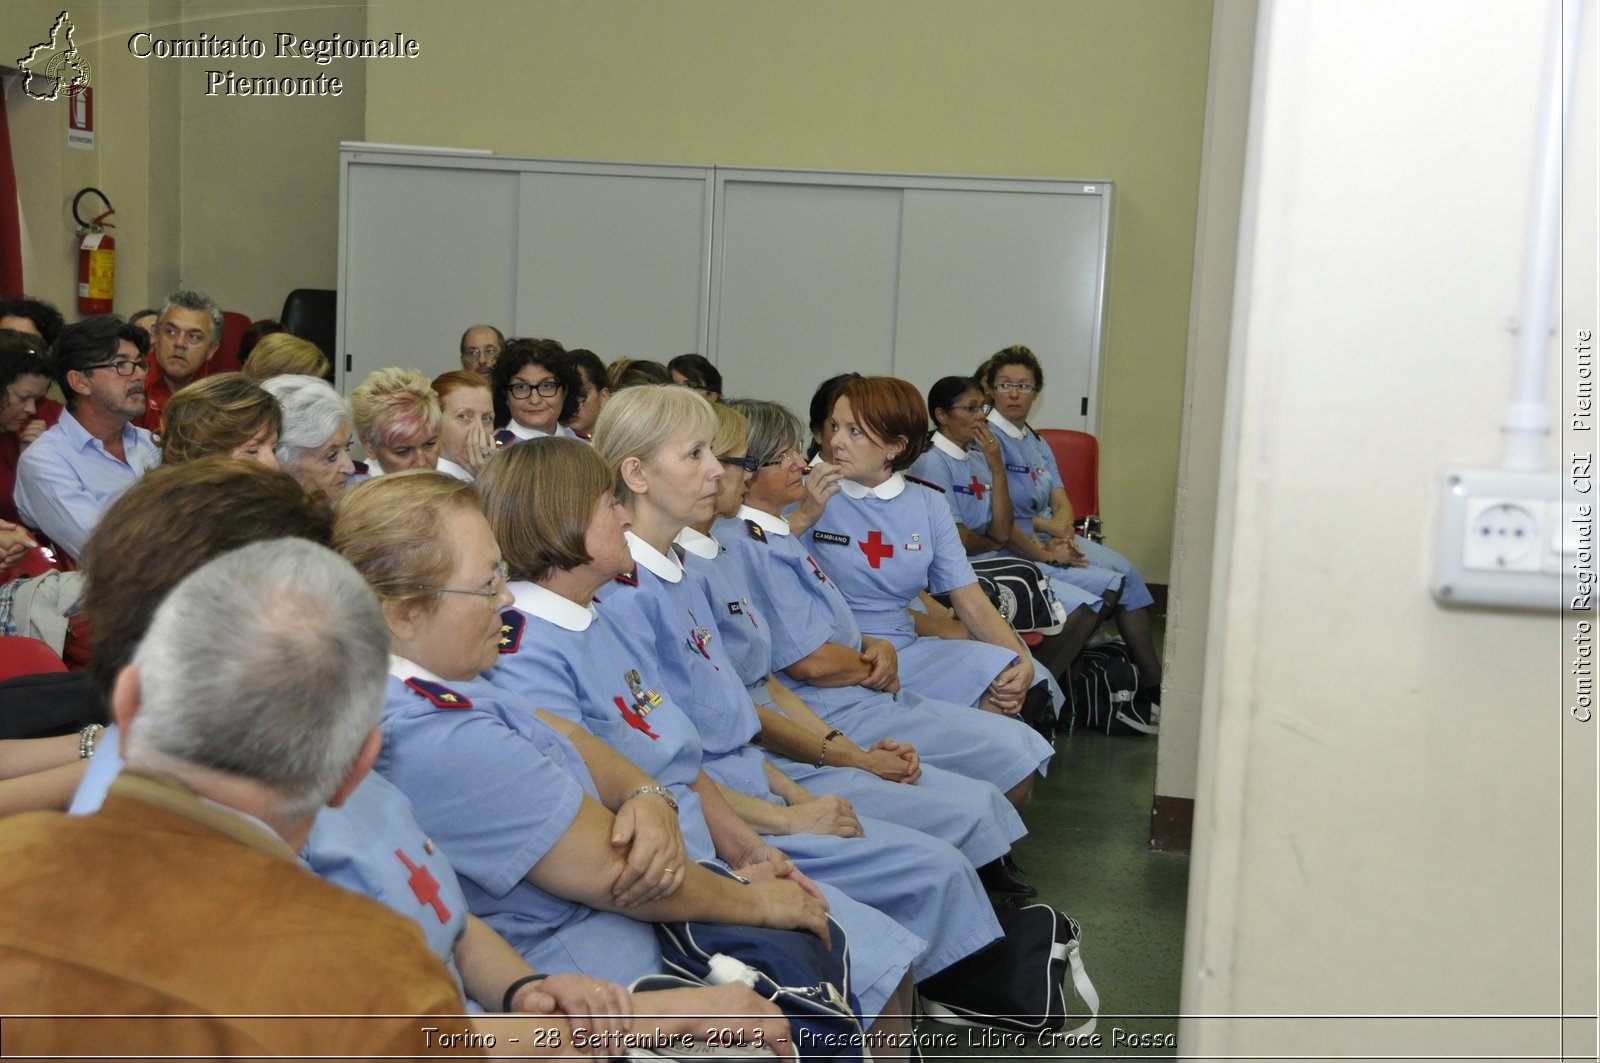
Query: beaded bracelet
x=822, y=754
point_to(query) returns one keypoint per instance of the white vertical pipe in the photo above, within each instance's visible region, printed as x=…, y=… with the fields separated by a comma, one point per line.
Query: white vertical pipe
x=1527, y=417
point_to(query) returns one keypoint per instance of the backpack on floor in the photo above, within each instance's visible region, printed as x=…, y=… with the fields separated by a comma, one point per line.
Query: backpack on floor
x=1103, y=688
x=1016, y=983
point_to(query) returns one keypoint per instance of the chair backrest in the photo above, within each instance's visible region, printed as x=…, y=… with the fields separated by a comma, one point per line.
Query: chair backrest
x=1078, y=456
x=311, y=314
x=20, y=655
x=36, y=561
x=226, y=360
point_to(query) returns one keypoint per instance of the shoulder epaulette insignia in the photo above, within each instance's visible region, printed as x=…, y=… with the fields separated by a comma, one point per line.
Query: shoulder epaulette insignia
x=925, y=483
x=679, y=552
x=511, y=624
x=362, y=468
x=442, y=696
x=630, y=577
x=504, y=438
x=585, y=436
x=757, y=532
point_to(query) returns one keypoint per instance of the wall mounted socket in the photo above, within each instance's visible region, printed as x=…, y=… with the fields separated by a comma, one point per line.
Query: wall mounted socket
x=1508, y=538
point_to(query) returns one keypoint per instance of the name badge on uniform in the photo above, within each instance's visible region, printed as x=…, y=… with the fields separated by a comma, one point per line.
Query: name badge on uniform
x=1018, y=468
x=832, y=538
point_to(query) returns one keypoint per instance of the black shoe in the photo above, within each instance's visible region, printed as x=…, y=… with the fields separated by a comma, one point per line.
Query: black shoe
x=1002, y=878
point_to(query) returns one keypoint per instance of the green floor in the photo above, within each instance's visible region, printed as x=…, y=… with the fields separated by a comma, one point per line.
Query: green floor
x=1088, y=853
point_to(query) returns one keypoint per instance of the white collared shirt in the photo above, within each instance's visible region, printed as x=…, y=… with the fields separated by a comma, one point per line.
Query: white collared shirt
x=403, y=668
x=698, y=544
x=450, y=468
x=654, y=560
x=523, y=431
x=766, y=521
x=942, y=444
x=546, y=604
x=890, y=488
x=998, y=419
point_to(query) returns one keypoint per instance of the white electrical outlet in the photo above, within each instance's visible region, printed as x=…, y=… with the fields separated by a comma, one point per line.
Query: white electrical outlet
x=1508, y=539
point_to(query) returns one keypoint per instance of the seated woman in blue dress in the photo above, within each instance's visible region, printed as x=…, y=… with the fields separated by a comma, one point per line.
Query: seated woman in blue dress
x=965, y=460
x=1042, y=529
x=536, y=389
x=565, y=864
x=658, y=439
x=883, y=540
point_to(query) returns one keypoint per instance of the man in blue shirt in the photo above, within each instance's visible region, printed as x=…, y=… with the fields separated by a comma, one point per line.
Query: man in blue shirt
x=72, y=472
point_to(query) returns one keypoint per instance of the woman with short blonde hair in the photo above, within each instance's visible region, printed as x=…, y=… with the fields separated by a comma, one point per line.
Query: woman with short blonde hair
x=397, y=419
x=283, y=353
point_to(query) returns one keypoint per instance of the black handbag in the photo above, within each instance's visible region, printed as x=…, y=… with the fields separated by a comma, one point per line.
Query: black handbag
x=1016, y=983
x=807, y=979
x=1022, y=594
x=1103, y=688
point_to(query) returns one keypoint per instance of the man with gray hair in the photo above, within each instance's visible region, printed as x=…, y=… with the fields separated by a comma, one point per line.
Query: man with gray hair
x=251, y=703
x=187, y=335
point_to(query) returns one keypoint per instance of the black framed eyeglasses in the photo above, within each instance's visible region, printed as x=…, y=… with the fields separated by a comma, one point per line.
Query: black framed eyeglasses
x=747, y=464
x=521, y=389
x=123, y=366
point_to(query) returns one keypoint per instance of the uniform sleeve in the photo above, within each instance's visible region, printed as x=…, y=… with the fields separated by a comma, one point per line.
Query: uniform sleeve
x=1048, y=460
x=488, y=795
x=795, y=620
x=949, y=569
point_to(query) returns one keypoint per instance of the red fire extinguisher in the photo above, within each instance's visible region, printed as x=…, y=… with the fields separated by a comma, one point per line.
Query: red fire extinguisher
x=97, y=257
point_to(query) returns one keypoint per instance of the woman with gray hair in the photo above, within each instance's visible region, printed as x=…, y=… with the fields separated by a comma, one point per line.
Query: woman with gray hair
x=314, y=446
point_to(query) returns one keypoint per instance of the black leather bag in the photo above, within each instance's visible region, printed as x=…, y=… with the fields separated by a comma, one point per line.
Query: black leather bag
x=808, y=980
x=1103, y=688
x=1017, y=982
x=1022, y=593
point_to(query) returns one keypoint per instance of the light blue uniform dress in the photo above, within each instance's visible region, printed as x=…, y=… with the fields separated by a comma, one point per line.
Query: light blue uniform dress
x=884, y=545
x=371, y=844
x=919, y=881
x=558, y=656
x=496, y=788
x=1032, y=473
x=805, y=610
x=967, y=481
x=968, y=813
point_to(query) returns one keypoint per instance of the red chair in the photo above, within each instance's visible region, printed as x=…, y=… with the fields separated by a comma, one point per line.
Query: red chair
x=1078, y=457
x=25, y=656
x=36, y=561
x=226, y=360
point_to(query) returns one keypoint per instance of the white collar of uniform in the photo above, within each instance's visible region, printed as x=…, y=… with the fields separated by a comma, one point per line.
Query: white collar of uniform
x=767, y=522
x=546, y=604
x=523, y=431
x=816, y=459
x=374, y=470
x=890, y=488
x=998, y=419
x=402, y=668
x=450, y=468
x=654, y=560
x=698, y=544
x=941, y=443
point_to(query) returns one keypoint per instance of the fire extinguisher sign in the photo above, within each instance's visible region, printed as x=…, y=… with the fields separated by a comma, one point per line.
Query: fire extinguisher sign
x=80, y=117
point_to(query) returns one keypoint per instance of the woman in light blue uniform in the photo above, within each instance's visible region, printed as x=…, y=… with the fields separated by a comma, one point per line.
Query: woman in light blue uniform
x=504, y=791
x=1043, y=525
x=658, y=439
x=967, y=812
x=883, y=540
x=819, y=651
x=964, y=458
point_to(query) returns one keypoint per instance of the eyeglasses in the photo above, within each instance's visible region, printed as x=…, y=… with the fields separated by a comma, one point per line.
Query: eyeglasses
x=500, y=576
x=1013, y=385
x=974, y=407
x=489, y=351
x=783, y=457
x=521, y=389
x=123, y=366
x=747, y=464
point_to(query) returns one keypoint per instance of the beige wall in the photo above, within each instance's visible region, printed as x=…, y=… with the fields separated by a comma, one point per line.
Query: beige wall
x=235, y=196
x=1089, y=88
x=1380, y=798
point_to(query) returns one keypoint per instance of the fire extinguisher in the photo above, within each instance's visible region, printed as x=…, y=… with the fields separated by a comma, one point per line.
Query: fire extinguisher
x=97, y=257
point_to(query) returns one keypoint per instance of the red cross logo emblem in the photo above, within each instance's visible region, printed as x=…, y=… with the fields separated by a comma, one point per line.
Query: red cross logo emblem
x=876, y=549
x=978, y=487
x=425, y=886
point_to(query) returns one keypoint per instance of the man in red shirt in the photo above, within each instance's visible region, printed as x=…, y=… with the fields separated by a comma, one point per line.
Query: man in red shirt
x=187, y=336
